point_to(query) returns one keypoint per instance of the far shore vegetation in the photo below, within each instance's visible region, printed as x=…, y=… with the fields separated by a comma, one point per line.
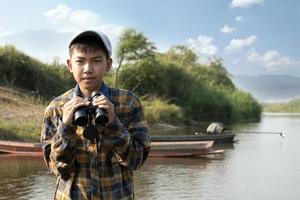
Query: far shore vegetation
x=289, y=107
x=174, y=87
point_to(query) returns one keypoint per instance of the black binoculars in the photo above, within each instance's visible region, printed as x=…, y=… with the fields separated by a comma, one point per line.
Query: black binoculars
x=90, y=116
x=85, y=115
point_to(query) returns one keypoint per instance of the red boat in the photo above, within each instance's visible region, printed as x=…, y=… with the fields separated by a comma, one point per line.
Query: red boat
x=182, y=149
x=24, y=148
x=158, y=149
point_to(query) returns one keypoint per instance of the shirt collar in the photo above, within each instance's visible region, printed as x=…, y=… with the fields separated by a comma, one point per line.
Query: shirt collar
x=104, y=90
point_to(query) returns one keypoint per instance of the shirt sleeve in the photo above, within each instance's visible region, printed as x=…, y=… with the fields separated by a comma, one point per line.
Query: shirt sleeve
x=131, y=144
x=58, y=143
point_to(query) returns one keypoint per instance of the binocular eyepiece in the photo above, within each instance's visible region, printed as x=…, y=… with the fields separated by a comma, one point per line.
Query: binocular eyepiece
x=85, y=114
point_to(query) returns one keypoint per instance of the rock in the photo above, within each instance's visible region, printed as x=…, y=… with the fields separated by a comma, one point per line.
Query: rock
x=215, y=128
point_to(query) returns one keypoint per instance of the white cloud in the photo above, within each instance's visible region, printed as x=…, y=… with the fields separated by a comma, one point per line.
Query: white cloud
x=203, y=46
x=272, y=60
x=226, y=29
x=245, y=3
x=239, y=19
x=66, y=16
x=59, y=14
x=84, y=18
x=69, y=20
x=239, y=44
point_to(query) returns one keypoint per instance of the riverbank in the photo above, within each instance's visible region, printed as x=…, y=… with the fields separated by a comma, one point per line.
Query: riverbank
x=21, y=116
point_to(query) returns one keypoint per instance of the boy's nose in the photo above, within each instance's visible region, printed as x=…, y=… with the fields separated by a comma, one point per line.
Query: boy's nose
x=88, y=68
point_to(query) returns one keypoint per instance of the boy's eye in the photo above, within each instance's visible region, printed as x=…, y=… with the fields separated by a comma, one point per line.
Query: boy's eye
x=79, y=61
x=98, y=60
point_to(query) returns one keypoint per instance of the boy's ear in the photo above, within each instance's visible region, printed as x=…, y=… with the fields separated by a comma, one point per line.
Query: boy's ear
x=69, y=64
x=109, y=64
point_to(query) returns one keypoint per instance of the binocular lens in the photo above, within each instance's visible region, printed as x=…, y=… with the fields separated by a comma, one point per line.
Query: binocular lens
x=90, y=132
x=101, y=117
x=81, y=117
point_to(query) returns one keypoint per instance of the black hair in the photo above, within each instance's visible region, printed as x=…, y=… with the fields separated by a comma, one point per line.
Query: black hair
x=88, y=44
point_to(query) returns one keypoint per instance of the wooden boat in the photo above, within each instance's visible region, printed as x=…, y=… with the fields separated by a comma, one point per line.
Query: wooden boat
x=217, y=138
x=182, y=149
x=158, y=149
x=24, y=148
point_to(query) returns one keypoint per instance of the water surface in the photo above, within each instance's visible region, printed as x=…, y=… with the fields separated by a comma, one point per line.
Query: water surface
x=258, y=166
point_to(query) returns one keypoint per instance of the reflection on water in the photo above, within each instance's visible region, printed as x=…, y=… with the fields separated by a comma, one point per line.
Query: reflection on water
x=174, y=178
x=259, y=166
x=24, y=178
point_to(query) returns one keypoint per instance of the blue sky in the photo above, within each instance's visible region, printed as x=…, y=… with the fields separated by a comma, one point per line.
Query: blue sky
x=253, y=37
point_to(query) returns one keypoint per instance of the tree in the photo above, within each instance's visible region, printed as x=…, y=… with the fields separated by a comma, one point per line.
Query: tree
x=132, y=46
x=217, y=73
x=181, y=56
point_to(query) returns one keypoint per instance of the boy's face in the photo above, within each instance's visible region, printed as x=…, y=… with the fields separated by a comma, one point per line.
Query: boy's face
x=89, y=68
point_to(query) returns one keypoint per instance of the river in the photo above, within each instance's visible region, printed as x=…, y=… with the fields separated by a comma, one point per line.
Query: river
x=257, y=167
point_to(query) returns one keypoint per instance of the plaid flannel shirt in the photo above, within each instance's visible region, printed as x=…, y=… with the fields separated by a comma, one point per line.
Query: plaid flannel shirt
x=102, y=169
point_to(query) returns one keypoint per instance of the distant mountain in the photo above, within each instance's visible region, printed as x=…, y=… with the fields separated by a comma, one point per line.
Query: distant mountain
x=43, y=44
x=270, y=88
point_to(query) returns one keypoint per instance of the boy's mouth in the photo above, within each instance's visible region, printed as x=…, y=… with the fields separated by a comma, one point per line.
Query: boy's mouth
x=88, y=78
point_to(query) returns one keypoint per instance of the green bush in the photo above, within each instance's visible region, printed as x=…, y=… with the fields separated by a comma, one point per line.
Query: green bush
x=207, y=103
x=245, y=107
x=203, y=92
x=150, y=77
x=22, y=71
x=159, y=110
x=145, y=77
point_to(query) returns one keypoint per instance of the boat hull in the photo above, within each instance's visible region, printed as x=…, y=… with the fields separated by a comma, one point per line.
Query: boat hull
x=181, y=148
x=217, y=138
x=34, y=149
x=158, y=149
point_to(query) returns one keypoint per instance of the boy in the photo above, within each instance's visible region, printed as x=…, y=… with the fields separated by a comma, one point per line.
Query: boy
x=94, y=161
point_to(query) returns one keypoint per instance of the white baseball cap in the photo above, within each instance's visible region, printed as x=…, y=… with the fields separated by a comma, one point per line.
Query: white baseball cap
x=99, y=35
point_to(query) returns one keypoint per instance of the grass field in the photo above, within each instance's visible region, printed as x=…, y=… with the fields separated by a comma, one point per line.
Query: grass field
x=20, y=115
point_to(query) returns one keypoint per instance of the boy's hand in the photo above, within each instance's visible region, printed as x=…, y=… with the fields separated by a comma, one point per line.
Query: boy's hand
x=70, y=108
x=103, y=102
